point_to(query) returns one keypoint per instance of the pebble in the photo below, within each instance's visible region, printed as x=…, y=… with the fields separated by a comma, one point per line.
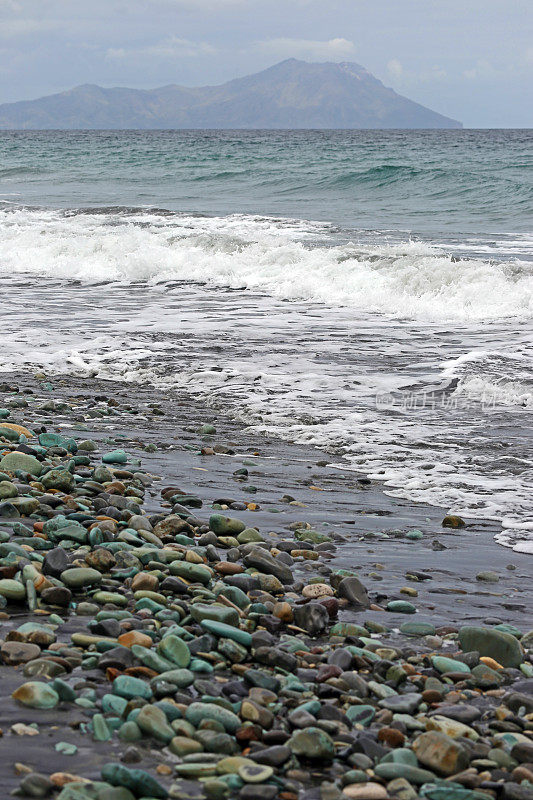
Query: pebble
x=235, y=661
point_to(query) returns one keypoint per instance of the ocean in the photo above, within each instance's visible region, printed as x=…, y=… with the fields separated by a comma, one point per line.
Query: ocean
x=369, y=292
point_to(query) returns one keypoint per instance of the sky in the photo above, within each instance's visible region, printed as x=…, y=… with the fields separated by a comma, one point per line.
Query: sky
x=468, y=59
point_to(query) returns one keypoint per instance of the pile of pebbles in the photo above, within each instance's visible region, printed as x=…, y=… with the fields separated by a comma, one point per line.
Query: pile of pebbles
x=198, y=647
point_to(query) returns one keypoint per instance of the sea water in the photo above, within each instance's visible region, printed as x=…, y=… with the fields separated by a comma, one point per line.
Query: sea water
x=369, y=292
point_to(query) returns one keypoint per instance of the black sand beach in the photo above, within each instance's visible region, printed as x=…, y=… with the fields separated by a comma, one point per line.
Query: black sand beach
x=454, y=577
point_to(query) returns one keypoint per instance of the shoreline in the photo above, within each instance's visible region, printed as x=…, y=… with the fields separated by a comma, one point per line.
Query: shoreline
x=352, y=512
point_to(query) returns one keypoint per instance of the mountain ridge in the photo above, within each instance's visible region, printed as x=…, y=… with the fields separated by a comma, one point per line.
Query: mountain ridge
x=292, y=94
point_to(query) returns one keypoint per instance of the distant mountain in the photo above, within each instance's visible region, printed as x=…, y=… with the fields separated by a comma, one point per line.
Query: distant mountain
x=291, y=94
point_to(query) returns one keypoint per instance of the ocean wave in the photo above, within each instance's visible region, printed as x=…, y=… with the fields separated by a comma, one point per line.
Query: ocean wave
x=22, y=172
x=281, y=258
x=494, y=378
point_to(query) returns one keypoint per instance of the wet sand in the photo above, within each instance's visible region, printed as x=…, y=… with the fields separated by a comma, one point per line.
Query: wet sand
x=354, y=512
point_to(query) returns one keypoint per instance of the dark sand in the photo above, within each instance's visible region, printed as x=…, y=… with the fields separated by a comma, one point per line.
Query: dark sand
x=339, y=504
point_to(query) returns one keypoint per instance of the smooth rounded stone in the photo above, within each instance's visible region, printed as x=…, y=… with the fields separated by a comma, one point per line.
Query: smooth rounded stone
x=270, y=584
x=184, y=746
x=233, y=593
x=134, y=637
x=312, y=743
x=347, y=629
x=312, y=617
x=301, y=718
x=36, y=785
x=88, y=446
x=400, y=755
x=130, y=732
x=233, y=651
x=151, y=659
x=361, y=715
x=138, y=781
x=152, y=721
x=110, y=598
x=216, y=789
x=451, y=727
x=64, y=691
x=488, y=576
x=401, y=607
x=7, y=490
x=417, y=629
x=255, y=773
x=227, y=631
x=314, y=590
x=485, y=677
x=351, y=589
x=8, y=510
x=175, y=650
x=195, y=573
x=36, y=633
x=416, y=775
x=197, y=712
x=249, y=535
x=129, y=687
x=264, y=562
x=523, y=752
x=200, y=611
x=21, y=461
x=79, y=577
x=246, y=583
x=36, y=695
x=453, y=521
x=115, y=457
x=101, y=730
x=226, y=526
x=440, y=753
x=56, y=596
x=443, y=665
x=178, y=677
x=401, y=703
x=273, y=756
x=502, y=647
x=256, y=713
x=460, y=713
x=284, y=612
x=101, y=559
x=14, y=653
x=365, y=791
x=195, y=770
x=26, y=505
x=60, y=479
x=12, y=590
x=43, y=668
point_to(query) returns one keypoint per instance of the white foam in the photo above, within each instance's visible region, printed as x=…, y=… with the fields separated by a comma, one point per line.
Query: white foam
x=309, y=370
x=278, y=257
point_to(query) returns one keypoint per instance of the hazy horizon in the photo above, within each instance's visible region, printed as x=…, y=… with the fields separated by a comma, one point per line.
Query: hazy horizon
x=474, y=64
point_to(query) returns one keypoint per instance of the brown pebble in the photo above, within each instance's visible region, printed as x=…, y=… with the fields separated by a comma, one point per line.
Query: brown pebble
x=228, y=568
x=283, y=611
x=392, y=737
x=431, y=696
x=144, y=581
x=522, y=773
x=62, y=778
x=331, y=605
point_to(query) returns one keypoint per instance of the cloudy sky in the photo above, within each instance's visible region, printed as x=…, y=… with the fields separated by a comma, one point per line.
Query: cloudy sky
x=468, y=59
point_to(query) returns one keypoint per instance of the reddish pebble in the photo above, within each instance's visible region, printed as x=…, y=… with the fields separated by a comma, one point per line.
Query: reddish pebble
x=392, y=737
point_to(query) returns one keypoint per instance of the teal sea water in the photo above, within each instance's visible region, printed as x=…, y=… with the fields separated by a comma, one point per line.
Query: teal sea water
x=433, y=182
x=367, y=291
